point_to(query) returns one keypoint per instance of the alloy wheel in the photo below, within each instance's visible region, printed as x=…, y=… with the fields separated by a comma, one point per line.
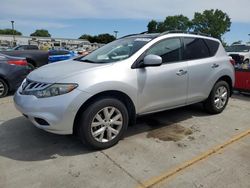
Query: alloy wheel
x=221, y=96
x=106, y=124
x=2, y=88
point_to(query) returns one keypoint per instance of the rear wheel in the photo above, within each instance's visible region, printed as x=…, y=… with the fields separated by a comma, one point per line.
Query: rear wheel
x=4, y=89
x=218, y=98
x=103, y=123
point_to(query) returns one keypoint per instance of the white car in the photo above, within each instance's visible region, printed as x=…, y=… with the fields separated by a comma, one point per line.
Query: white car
x=240, y=49
x=98, y=95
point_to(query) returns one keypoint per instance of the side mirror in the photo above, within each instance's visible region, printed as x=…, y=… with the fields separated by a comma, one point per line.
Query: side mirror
x=152, y=61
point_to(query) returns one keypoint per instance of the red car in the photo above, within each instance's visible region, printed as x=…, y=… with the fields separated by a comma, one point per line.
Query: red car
x=242, y=74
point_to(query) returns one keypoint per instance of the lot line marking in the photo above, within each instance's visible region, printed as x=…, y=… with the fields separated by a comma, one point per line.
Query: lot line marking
x=157, y=179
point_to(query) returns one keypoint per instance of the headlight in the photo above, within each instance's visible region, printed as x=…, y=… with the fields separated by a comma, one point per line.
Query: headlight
x=53, y=90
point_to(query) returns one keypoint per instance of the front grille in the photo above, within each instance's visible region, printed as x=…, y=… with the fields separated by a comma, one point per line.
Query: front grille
x=29, y=86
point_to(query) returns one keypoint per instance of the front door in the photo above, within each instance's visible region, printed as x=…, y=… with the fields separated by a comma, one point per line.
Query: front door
x=164, y=86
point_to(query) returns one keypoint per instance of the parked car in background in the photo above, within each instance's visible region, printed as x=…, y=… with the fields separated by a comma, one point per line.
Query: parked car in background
x=240, y=49
x=35, y=58
x=97, y=96
x=13, y=70
x=4, y=47
x=242, y=74
x=82, y=51
x=60, y=55
x=26, y=47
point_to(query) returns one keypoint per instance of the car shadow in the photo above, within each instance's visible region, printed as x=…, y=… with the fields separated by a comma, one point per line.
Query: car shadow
x=241, y=96
x=166, y=118
x=22, y=141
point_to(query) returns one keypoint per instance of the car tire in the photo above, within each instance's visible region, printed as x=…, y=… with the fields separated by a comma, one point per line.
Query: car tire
x=4, y=89
x=103, y=123
x=218, y=98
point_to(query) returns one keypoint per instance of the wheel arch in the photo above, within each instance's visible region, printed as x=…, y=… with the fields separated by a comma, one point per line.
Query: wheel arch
x=229, y=81
x=111, y=93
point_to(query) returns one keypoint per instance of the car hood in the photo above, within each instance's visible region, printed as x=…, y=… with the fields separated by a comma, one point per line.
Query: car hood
x=55, y=72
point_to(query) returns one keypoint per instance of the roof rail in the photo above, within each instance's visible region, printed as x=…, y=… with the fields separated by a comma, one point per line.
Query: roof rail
x=144, y=32
x=129, y=35
x=187, y=32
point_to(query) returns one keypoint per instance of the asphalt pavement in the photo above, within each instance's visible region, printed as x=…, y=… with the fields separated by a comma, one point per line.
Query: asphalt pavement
x=184, y=147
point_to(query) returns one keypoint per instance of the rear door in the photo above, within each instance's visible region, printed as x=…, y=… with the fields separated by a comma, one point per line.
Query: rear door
x=201, y=66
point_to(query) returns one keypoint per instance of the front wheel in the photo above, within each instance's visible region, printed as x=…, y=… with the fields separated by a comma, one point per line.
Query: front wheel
x=3, y=88
x=103, y=123
x=218, y=98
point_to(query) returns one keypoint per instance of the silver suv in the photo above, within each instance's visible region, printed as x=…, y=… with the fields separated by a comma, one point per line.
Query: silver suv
x=98, y=95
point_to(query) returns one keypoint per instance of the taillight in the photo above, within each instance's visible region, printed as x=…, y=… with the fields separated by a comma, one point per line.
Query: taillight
x=232, y=61
x=20, y=62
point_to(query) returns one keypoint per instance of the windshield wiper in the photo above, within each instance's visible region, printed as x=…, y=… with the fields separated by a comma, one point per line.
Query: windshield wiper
x=86, y=60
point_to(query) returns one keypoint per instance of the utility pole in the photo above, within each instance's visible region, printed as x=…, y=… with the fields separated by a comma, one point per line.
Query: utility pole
x=14, y=40
x=116, y=32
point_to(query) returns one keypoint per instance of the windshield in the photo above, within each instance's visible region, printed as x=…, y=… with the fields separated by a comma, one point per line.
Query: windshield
x=116, y=51
x=238, y=48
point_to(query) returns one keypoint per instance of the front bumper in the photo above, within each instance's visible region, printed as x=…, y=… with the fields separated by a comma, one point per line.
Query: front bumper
x=59, y=111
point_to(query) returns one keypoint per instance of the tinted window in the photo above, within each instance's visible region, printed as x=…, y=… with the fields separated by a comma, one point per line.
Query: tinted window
x=31, y=47
x=195, y=48
x=213, y=46
x=20, y=48
x=169, y=50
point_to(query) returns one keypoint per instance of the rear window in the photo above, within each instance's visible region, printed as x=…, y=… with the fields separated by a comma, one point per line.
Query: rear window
x=195, y=48
x=213, y=46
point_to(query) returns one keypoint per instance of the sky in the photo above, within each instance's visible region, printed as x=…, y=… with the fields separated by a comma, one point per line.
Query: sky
x=72, y=18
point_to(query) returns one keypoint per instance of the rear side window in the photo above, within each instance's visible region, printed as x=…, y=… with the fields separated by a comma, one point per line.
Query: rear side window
x=169, y=49
x=213, y=46
x=195, y=48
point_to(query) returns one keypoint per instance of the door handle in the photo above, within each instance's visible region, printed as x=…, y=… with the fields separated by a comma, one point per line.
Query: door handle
x=215, y=66
x=181, y=72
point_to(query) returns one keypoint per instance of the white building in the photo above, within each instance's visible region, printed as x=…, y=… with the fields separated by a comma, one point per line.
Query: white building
x=50, y=42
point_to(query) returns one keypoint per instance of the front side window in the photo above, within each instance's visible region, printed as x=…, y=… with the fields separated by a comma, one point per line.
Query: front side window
x=168, y=49
x=195, y=48
x=118, y=50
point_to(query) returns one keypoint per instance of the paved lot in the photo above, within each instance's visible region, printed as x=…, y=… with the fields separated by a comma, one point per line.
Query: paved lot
x=151, y=150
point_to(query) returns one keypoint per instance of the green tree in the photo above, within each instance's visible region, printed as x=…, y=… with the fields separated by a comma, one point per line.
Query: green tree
x=87, y=37
x=105, y=38
x=9, y=32
x=102, y=38
x=41, y=33
x=212, y=22
x=152, y=26
x=177, y=22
